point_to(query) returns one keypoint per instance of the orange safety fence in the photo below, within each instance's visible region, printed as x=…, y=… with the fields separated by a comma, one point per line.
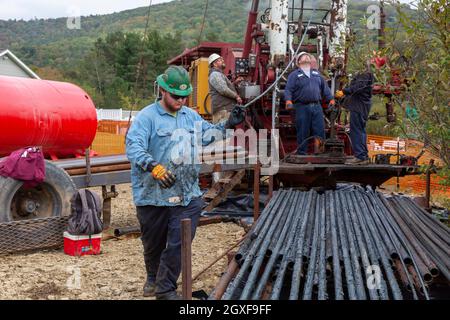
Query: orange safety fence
x=412, y=183
x=112, y=126
x=110, y=137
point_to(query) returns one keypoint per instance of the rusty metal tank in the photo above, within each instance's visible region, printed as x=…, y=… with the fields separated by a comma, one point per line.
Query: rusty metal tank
x=58, y=116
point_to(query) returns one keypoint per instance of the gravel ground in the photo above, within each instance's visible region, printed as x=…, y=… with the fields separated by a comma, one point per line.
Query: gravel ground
x=117, y=273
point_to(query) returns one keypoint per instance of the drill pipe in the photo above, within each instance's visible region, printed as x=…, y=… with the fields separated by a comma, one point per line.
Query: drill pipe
x=374, y=256
x=266, y=228
x=322, y=295
x=262, y=246
x=313, y=257
x=359, y=240
x=308, y=236
x=351, y=291
x=415, y=227
x=382, y=231
x=274, y=240
x=265, y=218
x=385, y=229
x=418, y=227
x=387, y=219
x=402, y=274
x=287, y=249
x=328, y=244
x=290, y=225
x=380, y=246
x=338, y=291
x=433, y=222
x=439, y=257
x=356, y=226
x=416, y=248
x=298, y=263
x=359, y=283
x=396, y=242
x=287, y=259
x=257, y=263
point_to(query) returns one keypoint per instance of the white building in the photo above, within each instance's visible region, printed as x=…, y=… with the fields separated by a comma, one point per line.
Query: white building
x=10, y=65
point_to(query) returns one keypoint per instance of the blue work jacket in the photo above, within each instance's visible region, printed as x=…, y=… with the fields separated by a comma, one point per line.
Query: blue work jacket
x=358, y=95
x=170, y=140
x=304, y=90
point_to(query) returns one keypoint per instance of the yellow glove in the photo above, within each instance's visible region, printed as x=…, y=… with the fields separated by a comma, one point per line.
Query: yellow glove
x=165, y=178
x=339, y=94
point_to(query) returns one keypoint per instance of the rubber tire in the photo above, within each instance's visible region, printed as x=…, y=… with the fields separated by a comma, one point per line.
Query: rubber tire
x=54, y=176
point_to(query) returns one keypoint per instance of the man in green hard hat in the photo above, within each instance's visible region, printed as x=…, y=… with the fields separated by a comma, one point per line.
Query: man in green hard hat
x=165, y=189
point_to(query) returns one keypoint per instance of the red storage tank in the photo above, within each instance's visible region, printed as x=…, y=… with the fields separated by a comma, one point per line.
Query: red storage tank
x=58, y=116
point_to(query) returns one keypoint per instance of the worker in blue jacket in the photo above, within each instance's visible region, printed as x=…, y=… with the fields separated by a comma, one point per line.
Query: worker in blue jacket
x=162, y=147
x=358, y=100
x=304, y=92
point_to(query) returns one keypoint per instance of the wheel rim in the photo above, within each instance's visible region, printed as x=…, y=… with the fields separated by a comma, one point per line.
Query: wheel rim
x=39, y=202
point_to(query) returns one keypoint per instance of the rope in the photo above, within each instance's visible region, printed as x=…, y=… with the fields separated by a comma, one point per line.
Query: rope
x=139, y=67
x=203, y=23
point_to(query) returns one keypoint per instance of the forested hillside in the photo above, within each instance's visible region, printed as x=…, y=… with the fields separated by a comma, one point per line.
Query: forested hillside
x=102, y=56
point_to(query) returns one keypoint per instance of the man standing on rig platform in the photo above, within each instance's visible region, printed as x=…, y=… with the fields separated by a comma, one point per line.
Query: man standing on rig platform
x=358, y=100
x=305, y=90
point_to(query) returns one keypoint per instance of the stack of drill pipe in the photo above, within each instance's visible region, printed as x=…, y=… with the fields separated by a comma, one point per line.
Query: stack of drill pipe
x=433, y=245
x=351, y=244
x=120, y=162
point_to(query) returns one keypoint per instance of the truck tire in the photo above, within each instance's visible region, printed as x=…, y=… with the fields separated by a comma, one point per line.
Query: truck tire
x=49, y=199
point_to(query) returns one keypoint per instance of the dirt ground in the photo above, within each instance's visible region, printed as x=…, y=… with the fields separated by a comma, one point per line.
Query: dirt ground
x=117, y=273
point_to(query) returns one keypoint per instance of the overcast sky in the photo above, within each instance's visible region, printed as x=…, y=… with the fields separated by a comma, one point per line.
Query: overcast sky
x=30, y=9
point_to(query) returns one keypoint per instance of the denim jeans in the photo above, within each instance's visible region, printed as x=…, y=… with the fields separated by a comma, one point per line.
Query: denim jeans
x=310, y=122
x=358, y=135
x=161, y=238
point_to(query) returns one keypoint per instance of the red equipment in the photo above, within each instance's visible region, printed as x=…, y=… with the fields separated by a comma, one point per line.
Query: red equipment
x=58, y=116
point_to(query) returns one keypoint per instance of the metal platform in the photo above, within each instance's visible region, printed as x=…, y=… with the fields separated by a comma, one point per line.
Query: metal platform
x=329, y=174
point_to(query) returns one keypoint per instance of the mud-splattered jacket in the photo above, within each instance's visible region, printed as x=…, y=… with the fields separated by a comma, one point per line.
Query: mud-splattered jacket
x=173, y=141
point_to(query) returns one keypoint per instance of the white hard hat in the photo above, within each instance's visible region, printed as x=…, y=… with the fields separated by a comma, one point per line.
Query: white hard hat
x=301, y=54
x=213, y=58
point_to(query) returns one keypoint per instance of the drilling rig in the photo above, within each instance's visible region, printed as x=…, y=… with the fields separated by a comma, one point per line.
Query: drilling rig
x=273, y=38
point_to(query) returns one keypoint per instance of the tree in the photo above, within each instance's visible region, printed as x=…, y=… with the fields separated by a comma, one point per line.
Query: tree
x=423, y=61
x=122, y=67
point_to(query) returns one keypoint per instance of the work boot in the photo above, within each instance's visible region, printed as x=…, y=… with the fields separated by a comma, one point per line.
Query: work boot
x=171, y=295
x=357, y=161
x=149, y=289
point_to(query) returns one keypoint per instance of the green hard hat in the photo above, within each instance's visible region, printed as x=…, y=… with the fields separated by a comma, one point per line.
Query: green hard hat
x=175, y=80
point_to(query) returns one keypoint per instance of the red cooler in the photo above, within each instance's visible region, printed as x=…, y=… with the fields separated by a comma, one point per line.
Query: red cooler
x=82, y=245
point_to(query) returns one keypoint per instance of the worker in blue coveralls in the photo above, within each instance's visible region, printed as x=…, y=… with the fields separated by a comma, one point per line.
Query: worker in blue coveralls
x=166, y=190
x=358, y=100
x=304, y=92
